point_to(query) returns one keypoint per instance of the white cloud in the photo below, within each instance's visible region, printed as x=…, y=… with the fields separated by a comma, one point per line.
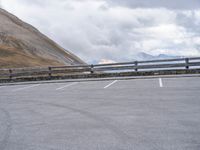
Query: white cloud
x=96, y=29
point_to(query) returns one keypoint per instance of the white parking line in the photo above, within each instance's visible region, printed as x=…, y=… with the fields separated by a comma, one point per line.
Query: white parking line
x=68, y=85
x=160, y=82
x=110, y=84
x=26, y=87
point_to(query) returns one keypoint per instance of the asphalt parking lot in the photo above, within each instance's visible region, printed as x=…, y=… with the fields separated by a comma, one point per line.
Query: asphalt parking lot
x=142, y=114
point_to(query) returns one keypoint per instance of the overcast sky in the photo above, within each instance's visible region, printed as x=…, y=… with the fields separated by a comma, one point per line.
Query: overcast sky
x=115, y=30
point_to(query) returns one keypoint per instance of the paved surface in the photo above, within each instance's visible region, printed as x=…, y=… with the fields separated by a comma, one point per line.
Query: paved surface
x=142, y=114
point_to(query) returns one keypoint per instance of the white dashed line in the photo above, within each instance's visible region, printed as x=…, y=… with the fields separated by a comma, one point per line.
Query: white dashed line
x=68, y=85
x=110, y=84
x=27, y=87
x=160, y=82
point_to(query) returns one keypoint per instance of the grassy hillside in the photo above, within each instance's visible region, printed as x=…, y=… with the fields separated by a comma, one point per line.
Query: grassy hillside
x=14, y=58
x=22, y=45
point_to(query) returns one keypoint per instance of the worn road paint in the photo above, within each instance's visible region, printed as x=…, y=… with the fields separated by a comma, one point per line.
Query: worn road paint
x=27, y=87
x=68, y=85
x=110, y=84
x=160, y=82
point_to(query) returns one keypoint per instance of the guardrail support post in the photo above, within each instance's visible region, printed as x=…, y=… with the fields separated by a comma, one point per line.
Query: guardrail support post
x=10, y=74
x=92, y=69
x=50, y=72
x=136, y=66
x=187, y=63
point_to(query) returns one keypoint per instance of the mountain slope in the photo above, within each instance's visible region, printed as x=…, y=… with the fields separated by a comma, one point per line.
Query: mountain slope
x=22, y=45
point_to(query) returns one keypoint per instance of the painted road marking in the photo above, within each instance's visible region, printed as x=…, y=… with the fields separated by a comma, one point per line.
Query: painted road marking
x=26, y=87
x=107, y=86
x=68, y=85
x=160, y=82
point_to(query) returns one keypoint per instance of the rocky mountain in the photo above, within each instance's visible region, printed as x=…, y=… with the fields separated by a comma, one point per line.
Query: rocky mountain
x=145, y=56
x=22, y=45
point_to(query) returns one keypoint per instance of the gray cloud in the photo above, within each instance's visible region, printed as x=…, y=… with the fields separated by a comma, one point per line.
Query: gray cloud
x=170, y=4
x=115, y=30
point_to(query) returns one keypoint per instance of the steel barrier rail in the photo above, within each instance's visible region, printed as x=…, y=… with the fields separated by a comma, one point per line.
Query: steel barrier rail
x=135, y=66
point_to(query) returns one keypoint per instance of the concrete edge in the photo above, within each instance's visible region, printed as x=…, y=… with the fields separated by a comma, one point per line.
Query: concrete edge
x=101, y=79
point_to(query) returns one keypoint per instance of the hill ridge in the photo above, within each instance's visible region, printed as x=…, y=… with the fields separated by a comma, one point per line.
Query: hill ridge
x=23, y=37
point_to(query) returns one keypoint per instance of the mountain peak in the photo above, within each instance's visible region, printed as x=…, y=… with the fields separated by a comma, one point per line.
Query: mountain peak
x=146, y=56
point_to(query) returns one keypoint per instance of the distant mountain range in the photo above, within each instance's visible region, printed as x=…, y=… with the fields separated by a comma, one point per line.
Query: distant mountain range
x=22, y=45
x=145, y=56
x=140, y=57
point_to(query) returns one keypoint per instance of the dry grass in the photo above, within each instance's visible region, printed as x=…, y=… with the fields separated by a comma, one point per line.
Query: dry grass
x=14, y=58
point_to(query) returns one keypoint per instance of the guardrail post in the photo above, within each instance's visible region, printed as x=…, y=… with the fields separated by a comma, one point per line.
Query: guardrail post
x=50, y=73
x=187, y=63
x=92, y=69
x=10, y=73
x=136, y=66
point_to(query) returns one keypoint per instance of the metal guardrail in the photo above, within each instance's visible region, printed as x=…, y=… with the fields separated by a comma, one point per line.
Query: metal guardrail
x=135, y=66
